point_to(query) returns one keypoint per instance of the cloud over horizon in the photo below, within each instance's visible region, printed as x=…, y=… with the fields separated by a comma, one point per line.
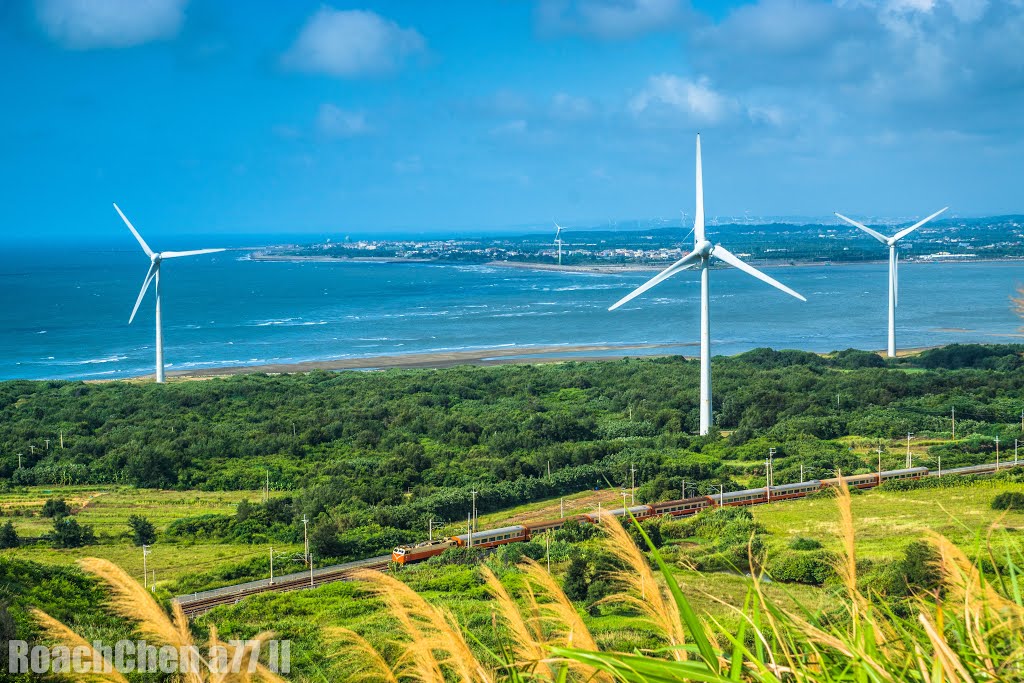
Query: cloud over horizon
x=93, y=24
x=351, y=44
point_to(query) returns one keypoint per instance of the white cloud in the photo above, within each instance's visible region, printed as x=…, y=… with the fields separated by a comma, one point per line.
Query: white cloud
x=334, y=122
x=90, y=24
x=351, y=43
x=696, y=99
x=607, y=19
x=411, y=164
x=514, y=127
x=570, y=108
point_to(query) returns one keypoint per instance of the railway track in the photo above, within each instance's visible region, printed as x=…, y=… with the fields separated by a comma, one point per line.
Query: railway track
x=196, y=604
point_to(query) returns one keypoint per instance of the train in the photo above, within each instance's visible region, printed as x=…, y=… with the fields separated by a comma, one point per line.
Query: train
x=408, y=554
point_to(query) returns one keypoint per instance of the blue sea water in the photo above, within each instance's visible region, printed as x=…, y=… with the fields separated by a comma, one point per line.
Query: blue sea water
x=64, y=314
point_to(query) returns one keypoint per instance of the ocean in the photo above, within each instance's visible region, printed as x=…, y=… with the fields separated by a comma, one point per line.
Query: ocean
x=64, y=314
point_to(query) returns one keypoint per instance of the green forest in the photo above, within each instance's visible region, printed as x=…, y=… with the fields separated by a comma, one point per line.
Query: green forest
x=370, y=457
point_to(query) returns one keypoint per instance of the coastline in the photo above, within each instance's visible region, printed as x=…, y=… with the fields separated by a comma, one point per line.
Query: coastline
x=433, y=360
x=595, y=268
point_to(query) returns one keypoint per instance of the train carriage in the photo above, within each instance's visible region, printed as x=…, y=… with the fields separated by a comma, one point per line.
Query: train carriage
x=745, y=497
x=552, y=524
x=855, y=481
x=788, y=491
x=493, y=537
x=640, y=512
x=681, y=508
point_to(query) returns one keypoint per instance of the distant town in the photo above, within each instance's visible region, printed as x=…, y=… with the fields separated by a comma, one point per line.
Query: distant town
x=999, y=237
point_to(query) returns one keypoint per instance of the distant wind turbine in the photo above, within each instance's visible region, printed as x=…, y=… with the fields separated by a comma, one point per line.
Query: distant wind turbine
x=558, y=241
x=155, y=258
x=893, y=267
x=701, y=255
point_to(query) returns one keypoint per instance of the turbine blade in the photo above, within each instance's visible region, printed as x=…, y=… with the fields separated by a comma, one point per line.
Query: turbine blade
x=145, y=286
x=906, y=231
x=194, y=252
x=733, y=260
x=145, y=247
x=682, y=264
x=698, y=219
x=877, y=235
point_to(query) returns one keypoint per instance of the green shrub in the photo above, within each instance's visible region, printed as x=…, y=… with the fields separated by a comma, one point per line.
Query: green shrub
x=143, y=531
x=813, y=568
x=56, y=507
x=68, y=533
x=9, y=536
x=801, y=543
x=1009, y=500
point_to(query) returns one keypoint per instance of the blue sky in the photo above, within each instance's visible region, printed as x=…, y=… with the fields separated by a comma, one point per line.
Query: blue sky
x=376, y=117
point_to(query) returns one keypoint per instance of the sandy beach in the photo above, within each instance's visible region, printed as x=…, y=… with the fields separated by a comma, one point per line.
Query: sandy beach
x=497, y=356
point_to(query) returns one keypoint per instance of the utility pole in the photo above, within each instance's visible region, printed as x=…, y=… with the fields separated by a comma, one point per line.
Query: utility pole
x=473, y=513
x=997, y=452
x=19, y=461
x=879, y=463
x=271, y=565
x=310, y=571
x=767, y=478
x=837, y=400
x=32, y=449
x=561, y=508
x=801, y=473
x=953, y=418
x=721, y=494
x=549, y=471
x=305, y=539
x=145, y=573
x=940, y=465
x=62, y=439
x=909, y=457
x=469, y=530
x=547, y=538
x=632, y=483
x=47, y=444
x=1015, y=452
x=623, y=502
x=598, y=512
x=771, y=466
x=266, y=488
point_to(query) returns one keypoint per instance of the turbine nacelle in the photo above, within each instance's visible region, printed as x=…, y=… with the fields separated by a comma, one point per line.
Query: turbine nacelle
x=704, y=249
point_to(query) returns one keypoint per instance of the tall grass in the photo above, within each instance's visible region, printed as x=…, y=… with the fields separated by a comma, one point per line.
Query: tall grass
x=969, y=630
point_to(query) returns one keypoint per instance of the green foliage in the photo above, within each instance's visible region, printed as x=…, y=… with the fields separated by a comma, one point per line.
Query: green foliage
x=813, y=568
x=577, y=579
x=9, y=536
x=68, y=533
x=801, y=543
x=143, y=531
x=916, y=571
x=56, y=508
x=1008, y=500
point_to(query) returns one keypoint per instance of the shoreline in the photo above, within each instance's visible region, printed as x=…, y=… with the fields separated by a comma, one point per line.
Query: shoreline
x=439, y=360
x=431, y=360
x=594, y=268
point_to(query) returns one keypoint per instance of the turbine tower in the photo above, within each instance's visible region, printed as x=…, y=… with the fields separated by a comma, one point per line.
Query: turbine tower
x=701, y=255
x=558, y=241
x=893, y=267
x=155, y=258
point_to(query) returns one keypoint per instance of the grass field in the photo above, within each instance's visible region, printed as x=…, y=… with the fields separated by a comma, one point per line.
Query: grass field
x=107, y=510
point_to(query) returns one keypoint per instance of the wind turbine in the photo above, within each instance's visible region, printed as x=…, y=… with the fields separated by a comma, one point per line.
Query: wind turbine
x=558, y=241
x=155, y=258
x=893, y=267
x=701, y=255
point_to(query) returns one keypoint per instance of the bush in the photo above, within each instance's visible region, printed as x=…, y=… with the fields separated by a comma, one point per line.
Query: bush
x=801, y=543
x=68, y=533
x=56, y=507
x=143, y=531
x=813, y=568
x=1010, y=500
x=8, y=536
x=577, y=579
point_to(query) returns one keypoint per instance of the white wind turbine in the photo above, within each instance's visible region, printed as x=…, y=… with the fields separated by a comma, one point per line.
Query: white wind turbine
x=893, y=267
x=701, y=255
x=155, y=258
x=558, y=241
